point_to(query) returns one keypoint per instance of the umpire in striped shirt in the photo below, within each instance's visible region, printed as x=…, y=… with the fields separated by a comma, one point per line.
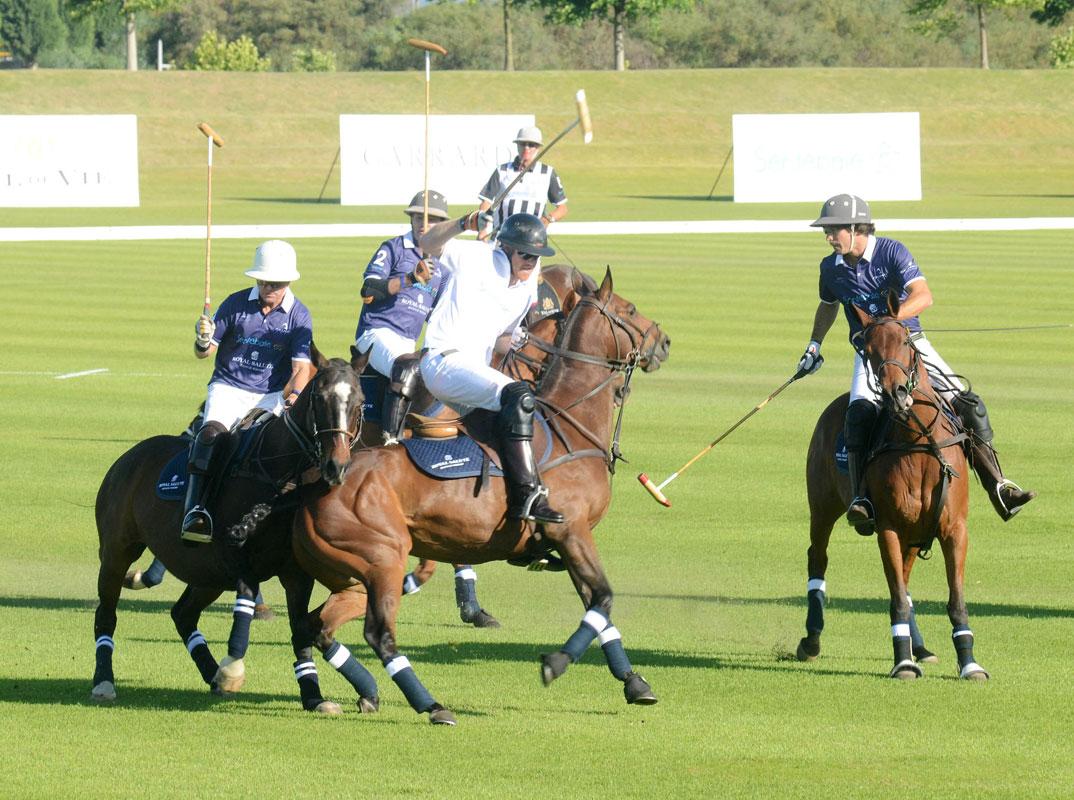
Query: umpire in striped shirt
x=539, y=193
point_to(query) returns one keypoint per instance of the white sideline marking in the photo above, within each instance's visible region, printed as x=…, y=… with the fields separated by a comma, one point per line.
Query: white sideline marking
x=67, y=375
x=381, y=230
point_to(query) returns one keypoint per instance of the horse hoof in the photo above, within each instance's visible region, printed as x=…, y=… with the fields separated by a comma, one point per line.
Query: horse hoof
x=104, y=692
x=368, y=705
x=922, y=655
x=230, y=676
x=553, y=665
x=808, y=649
x=264, y=613
x=133, y=580
x=482, y=619
x=637, y=690
x=328, y=708
x=438, y=715
x=906, y=671
x=973, y=672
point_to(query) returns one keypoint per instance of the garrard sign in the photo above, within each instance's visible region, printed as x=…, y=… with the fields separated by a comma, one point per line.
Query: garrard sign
x=382, y=156
x=68, y=160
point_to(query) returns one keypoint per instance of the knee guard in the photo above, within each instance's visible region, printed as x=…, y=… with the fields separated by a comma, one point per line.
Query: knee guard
x=405, y=375
x=517, y=404
x=201, y=454
x=971, y=410
x=860, y=418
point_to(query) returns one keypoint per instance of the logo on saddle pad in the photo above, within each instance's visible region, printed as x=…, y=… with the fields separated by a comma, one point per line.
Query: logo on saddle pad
x=450, y=462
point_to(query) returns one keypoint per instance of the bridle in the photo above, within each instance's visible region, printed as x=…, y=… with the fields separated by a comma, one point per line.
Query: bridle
x=308, y=432
x=910, y=370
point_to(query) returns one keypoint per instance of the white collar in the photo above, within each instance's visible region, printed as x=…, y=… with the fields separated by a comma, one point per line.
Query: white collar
x=286, y=304
x=870, y=248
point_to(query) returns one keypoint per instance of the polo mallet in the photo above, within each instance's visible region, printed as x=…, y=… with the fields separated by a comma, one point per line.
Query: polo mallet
x=429, y=48
x=657, y=490
x=213, y=139
x=582, y=119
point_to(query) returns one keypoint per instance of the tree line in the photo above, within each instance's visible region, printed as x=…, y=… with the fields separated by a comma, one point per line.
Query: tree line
x=328, y=35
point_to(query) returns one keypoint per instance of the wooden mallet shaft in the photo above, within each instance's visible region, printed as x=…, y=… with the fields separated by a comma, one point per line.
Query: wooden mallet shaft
x=213, y=139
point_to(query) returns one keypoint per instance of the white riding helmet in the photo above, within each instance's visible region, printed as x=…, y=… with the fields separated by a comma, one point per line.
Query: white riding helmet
x=530, y=133
x=274, y=260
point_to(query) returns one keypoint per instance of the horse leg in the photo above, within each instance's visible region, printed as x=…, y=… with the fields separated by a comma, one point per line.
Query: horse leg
x=147, y=579
x=891, y=555
x=384, y=595
x=922, y=655
x=298, y=586
x=231, y=673
x=820, y=533
x=470, y=610
x=341, y=607
x=583, y=566
x=954, y=552
x=114, y=564
x=185, y=614
x=418, y=577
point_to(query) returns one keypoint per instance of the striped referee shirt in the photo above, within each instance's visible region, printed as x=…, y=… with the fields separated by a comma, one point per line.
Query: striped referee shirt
x=531, y=195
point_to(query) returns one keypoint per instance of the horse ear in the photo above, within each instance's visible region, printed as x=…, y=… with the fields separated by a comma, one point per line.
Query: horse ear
x=319, y=361
x=578, y=282
x=606, y=285
x=893, y=303
x=863, y=316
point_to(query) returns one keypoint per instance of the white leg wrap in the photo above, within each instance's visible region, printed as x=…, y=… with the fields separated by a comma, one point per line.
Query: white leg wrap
x=194, y=640
x=817, y=583
x=901, y=630
x=396, y=665
x=340, y=657
x=595, y=620
x=244, y=606
x=466, y=573
x=609, y=634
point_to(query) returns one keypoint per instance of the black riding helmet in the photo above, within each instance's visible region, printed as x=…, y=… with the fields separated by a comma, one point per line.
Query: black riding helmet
x=525, y=233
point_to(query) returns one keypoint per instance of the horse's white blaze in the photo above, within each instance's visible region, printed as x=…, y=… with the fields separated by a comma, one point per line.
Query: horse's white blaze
x=343, y=392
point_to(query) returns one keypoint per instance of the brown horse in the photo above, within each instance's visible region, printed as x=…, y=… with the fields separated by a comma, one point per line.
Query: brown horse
x=524, y=363
x=314, y=436
x=363, y=531
x=917, y=480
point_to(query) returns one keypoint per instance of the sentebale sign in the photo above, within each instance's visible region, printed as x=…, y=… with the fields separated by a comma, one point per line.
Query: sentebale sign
x=68, y=160
x=782, y=158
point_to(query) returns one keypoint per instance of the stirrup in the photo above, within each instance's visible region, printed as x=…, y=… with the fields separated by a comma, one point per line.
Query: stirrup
x=536, y=509
x=197, y=526
x=860, y=515
x=1002, y=508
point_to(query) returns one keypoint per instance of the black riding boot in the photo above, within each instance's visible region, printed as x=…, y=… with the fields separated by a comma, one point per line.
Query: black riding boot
x=861, y=416
x=527, y=498
x=197, y=525
x=401, y=390
x=1006, y=496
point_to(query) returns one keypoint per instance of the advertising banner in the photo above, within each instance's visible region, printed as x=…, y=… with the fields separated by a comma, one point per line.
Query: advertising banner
x=382, y=156
x=783, y=158
x=68, y=160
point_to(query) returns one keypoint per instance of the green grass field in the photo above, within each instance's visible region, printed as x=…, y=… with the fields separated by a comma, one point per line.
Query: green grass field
x=710, y=594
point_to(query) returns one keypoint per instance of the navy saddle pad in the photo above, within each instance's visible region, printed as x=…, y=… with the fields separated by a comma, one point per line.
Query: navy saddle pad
x=461, y=457
x=171, y=485
x=841, y=454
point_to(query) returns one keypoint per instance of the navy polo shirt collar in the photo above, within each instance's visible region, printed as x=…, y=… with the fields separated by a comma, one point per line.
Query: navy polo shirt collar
x=866, y=257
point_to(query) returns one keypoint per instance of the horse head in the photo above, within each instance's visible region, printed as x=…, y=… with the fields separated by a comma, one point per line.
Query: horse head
x=895, y=363
x=329, y=413
x=646, y=344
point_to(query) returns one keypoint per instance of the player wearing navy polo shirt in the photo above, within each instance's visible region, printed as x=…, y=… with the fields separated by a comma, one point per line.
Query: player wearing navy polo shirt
x=261, y=339
x=539, y=193
x=399, y=287
x=859, y=272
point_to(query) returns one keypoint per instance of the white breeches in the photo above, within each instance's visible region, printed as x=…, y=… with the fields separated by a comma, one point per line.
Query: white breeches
x=384, y=346
x=227, y=404
x=462, y=381
x=862, y=385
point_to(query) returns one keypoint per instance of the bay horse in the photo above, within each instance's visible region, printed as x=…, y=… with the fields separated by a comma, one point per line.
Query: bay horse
x=525, y=363
x=917, y=479
x=363, y=531
x=313, y=437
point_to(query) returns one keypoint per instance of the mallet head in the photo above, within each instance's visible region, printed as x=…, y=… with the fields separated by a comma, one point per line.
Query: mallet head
x=653, y=489
x=421, y=44
x=205, y=128
x=583, y=116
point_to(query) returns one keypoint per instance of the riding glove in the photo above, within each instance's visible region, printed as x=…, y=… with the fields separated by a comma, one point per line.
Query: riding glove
x=811, y=360
x=203, y=331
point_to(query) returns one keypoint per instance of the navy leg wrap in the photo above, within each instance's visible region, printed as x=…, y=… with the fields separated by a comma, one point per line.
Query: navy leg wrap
x=103, y=656
x=593, y=623
x=612, y=645
x=410, y=584
x=400, y=671
x=350, y=668
x=241, y=617
x=309, y=688
x=466, y=590
x=963, y=639
x=915, y=632
x=154, y=573
x=203, y=659
x=900, y=641
x=816, y=596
